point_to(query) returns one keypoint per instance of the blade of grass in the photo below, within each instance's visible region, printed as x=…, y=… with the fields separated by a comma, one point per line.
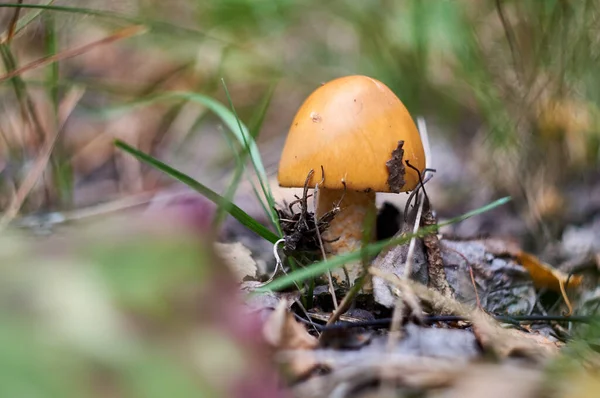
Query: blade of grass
x=373, y=249
x=165, y=77
x=259, y=117
x=240, y=159
x=52, y=49
x=368, y=227
x=158, y=26
x=255, y=127
x=18, y=86
x=25, y=20
x=239, y=164
x=61, y=174
x=222, y=210
x=71, y=100
x=122, y=89
x=257, y=160
x=231, y=122
x=26, y=105
x=257, y=194
x=211, y=195
x=13, y=23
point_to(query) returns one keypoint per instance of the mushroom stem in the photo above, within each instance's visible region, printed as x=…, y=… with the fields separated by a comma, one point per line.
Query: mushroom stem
x=345, y=231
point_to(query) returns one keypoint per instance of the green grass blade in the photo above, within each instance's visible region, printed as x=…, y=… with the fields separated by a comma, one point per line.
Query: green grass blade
x=235, y=181
x=10, y=65
x=373, y=249
x=211, y=195
x=26, y=19
x=255, y=127
x=231, y=122
x=53, y=73
x=20, y=88
x=256, y=161
x=239, y=164
x=259, y=117
x=61, y=168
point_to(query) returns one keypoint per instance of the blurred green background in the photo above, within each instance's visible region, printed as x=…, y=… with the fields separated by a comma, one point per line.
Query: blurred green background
x=509, y=90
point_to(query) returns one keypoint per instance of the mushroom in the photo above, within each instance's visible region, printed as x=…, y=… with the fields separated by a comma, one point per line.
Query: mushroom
x=361, y=134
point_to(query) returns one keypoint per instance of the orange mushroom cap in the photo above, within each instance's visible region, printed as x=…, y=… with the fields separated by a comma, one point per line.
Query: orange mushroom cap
x=360, y=132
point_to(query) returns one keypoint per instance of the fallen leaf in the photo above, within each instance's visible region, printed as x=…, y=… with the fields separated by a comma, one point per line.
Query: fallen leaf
x=282, y=331
x=479, y=277
x=543, y=275
x=393, y=261
x=238, y=258
x=417, y=373
x=264, y=303
x=511, y=343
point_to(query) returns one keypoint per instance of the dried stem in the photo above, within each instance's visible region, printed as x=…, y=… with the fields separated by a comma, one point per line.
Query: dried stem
x=13, y=24
x=329, y=277
x=119, y=35
x=41, y=162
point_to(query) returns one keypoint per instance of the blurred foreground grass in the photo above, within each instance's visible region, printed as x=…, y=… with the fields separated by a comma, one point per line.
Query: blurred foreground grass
x=125, y=307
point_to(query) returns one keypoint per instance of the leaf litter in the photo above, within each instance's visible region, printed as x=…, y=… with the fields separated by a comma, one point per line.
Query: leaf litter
x=485, y=275
x=355, y=354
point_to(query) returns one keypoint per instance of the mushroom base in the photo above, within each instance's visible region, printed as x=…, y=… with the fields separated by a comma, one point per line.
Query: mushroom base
x=345, y=232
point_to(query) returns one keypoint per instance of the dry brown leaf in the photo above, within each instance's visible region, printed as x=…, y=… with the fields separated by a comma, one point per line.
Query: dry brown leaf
x=283, y=332
x=543, y=275
x=238, y=258
x=408, y=371
x=507, y=343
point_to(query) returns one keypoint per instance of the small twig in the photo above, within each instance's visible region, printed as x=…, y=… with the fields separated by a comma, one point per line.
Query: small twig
x=70, y=53
x=413, y=242
x=307, y=315
x=329, y=277
x=385, y=322
x=566, y=298
x=13, y=24
x=405, y=294
x=347, y=300
x=438, y=303
x=420, y=175
x=394, y=335
x=41, y=162
x=470, y=272
x=278, y=263
x=415, y=192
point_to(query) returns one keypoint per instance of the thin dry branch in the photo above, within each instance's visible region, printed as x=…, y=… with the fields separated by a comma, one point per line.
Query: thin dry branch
x=13, y=24
x=65, y=109
x=70, y=53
